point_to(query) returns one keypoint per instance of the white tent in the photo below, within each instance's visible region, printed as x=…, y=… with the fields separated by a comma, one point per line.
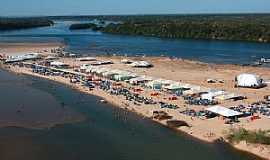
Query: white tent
x=126, y=61
x=212, y=94
x=173, y=86
x=248, y=80
x=227, y=96
x=86, y=59
x=223, y=111
x=141, y=64
x=195, y=90
x=58, y=64
x=155, y=85
x=22, y=57
x=31, y=56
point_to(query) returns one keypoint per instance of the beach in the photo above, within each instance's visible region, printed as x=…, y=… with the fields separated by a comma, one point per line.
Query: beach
x=180, y=70
x=20, y=48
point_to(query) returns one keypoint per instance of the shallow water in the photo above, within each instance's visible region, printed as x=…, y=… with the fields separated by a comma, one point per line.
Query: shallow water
x=23, y=105
x=87, y=41
x=106, y=132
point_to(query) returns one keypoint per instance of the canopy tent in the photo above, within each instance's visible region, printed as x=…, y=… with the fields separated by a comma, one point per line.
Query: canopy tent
x=126, y=61
x=195, y=90
x=86, y=66
x=155, y=85
x=248, y=80
x=31, y=56
x=227, y=96
x=173, y=86
x=86, y=59
x=58, y=64
x=212, y=94
x=22, y=57
x=123, y=77
x=223, y=111
x=141, y=64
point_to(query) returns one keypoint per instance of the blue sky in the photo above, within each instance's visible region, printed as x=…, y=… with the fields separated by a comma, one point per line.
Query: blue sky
x=98, y=7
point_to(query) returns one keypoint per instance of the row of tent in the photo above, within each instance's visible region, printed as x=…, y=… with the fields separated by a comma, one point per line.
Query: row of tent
x=158, y=84
x=22, y=57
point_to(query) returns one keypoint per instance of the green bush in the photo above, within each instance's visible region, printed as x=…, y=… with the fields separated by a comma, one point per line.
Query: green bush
x=259, y=136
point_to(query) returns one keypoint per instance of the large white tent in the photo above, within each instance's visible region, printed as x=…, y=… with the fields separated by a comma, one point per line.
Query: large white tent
x=248, y=80
x=141, y=64
x=223, y=111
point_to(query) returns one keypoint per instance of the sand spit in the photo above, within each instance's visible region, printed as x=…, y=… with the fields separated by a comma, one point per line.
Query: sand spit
x=185, y=71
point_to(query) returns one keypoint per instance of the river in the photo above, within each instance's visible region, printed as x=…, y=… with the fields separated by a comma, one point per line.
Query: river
x=93, y=43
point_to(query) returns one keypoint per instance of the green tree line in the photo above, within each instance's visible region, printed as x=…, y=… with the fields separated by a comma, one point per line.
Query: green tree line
x=23, y=23
x=244, y=28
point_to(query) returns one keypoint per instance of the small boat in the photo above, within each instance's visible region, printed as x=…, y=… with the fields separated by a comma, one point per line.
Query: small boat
x=265, y=60
x=103, y=101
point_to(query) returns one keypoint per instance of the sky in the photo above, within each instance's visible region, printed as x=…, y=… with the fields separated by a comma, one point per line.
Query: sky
x=107, y=7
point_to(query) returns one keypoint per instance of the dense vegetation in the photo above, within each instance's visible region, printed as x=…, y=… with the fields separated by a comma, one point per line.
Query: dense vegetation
x=23, y=23
x=78, y=26
x=259, y=137
x=246, y=28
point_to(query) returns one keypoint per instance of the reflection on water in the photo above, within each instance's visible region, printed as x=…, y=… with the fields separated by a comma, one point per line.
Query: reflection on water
x=106, y=132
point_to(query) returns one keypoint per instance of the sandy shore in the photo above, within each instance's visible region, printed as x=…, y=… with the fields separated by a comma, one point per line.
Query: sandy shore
x=20, y=48
x=189, y=72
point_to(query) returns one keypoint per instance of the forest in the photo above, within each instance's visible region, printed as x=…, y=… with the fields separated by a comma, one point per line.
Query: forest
x=238, y=27
x=23, y=23
x=217, y=27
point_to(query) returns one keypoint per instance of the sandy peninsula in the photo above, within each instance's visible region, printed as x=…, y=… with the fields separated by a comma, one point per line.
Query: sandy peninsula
x=185, y=71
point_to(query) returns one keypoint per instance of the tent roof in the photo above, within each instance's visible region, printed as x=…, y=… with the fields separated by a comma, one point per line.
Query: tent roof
x=248, y=80
x=173, y=86
x=57, y=63
x=223, y=111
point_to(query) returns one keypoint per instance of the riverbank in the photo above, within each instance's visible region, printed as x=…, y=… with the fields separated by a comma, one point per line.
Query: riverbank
x=21, y=48
x=190, y=72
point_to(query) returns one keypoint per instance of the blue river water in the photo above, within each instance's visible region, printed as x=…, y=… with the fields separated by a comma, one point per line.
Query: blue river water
x=93, y=43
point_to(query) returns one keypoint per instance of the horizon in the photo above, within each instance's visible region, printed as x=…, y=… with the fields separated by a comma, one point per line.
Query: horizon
x=33, y=8
x=157, y=14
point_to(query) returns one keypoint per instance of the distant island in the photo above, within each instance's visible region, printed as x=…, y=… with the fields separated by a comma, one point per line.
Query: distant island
x=23, y=23
x=234, y=27
x=78, y=26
